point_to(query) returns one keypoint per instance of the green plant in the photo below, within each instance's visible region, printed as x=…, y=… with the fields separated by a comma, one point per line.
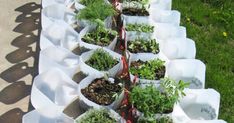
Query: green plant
x=140, y=28
x=164, y=119
x=141, y=45
x=212, y=27
x=101, y=36
x=140, y=1
x=152, y=70
x=88, y=2
x=150, y=100
x=96, y=12
x=101, y=60
x=97, y=116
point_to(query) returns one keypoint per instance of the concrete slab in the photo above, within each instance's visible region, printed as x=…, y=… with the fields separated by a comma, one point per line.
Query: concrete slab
x=19, y=27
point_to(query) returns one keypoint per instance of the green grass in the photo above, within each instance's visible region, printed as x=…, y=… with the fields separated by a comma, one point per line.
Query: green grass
x=207, y=21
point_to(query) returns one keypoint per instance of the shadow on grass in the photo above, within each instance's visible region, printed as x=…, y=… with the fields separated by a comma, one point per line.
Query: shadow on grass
x=29, y=27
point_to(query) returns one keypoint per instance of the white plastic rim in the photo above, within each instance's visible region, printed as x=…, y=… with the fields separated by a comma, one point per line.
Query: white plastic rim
x=165, y=16
x=179, y=48
x=165, y=31
x=67, y=3
x=92, y=71
x=46, y=115
x=51, y=88
x=162, y=4
x=86, y=103
x=58, y=57
x=206, y=121
x=188, y=70
x=59, y=34
x=111, y=113
x=198, y=104
x=55, y=12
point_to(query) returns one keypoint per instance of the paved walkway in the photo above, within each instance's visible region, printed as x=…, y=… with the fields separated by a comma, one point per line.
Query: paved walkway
x=19, y=24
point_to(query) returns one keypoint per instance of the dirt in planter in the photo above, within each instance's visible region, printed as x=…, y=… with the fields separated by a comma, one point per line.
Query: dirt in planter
x=79, y=50
x=99, y=42
x=78, y=77
x=101, y=91
x=135, y=12
x=159, y=73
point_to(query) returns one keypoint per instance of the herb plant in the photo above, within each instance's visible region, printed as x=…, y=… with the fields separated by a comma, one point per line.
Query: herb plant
x=96, y=12
x=143, y=46
x=101, y=36
x=88, y=2
x=152, y=70
x=140, y=1
x=97, y=116
x=150, y=100
x=140, y=28
x=101, y=60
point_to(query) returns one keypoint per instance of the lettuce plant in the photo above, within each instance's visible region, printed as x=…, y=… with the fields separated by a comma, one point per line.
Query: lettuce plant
x=140, y=28
x=152, y=70
x=143, y=46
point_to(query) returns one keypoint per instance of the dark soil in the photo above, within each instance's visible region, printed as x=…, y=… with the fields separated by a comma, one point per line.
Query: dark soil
x=78, y=77
x=135, y=12
x=159, y=73
x=79, y=50
x=101, y=91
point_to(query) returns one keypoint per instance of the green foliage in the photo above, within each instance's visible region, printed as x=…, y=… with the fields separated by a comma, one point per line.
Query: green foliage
x=140, y=1
x=211, y=26
x=165, y=119
x=140, y=28
x=96, y=12
x=88, y=2
x=148, y=69
x=101, y=36
x=101, y=60
x=97, y=116
x=150, y=100
x=143, y=46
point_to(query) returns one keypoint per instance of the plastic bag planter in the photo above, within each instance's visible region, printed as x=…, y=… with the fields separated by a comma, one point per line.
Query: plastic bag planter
x=188, y=70
x=198, y=104
x=55, y=12
x=46, y=115
x=179, y=48
x=158, y=16
x=165, y=16
x=206, y=121
x=92, y=71
x=80, y=6
x=93, y=46
x=131, y=35
x=144, y=58
x=58, y=57
x=52, y=88
x=85, y=103
x=165, y=31
x=67, y=3
x=59, y=34
x=161, y=4
x=111, y=113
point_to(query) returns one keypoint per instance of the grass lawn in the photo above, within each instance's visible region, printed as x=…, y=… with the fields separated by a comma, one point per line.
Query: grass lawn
x=210, y=23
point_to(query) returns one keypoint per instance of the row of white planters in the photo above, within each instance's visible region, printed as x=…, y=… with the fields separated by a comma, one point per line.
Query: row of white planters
x=53, y=88
x=53, y=91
